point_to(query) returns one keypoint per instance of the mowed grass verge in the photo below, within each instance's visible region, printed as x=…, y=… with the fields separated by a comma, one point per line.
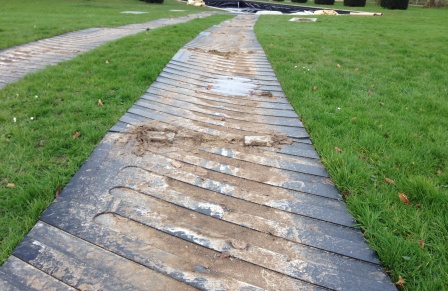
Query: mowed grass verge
x=373, y=94
x=50, y=121
x=28, y=20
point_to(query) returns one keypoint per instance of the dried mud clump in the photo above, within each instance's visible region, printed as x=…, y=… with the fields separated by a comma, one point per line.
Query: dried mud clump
x=158, y=135
x=215, y=52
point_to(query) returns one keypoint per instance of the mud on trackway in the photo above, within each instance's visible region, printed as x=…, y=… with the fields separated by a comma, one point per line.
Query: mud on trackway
x=175, y=198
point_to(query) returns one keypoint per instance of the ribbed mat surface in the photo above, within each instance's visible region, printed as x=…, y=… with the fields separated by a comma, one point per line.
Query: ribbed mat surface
x=209, y=181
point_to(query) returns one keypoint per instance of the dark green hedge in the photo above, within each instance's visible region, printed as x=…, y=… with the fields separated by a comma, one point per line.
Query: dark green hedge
x=154, y=1
x=355, y=3
x=395, y=4
x=324, y=2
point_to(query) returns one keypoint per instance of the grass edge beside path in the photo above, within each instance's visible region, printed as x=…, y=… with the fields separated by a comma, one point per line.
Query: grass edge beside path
x=372, y=93
x=28, y=20
x=50, y=120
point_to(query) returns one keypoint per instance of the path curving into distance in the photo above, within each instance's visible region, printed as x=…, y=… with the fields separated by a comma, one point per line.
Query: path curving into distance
x=16, y=62
x=209, y=181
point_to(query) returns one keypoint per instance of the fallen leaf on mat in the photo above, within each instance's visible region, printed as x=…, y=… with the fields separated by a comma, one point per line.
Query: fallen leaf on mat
x=209, y=87
x=75, y=136
x=404, y=198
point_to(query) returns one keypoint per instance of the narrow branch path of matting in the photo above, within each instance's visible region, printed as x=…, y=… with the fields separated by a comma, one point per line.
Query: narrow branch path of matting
x=16, y=62
x=176, y=196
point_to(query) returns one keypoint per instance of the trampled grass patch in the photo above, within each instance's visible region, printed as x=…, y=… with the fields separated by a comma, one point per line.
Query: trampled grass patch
x=376, y=88
x=50, y=121
x=28, y=20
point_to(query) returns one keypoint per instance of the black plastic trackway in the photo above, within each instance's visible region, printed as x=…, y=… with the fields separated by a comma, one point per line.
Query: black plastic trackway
x=172, y=199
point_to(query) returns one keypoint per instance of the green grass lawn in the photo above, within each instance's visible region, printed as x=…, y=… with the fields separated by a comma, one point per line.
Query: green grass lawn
x=28, y=20
x=381, y=96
